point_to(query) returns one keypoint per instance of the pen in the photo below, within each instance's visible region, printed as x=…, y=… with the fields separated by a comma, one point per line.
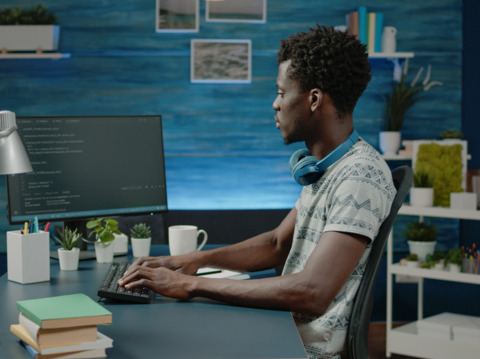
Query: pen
x=36, y=228
x=47, y=226
x=25, y=229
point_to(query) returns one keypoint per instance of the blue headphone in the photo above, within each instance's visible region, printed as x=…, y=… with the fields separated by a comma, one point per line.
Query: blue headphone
x=307, y=169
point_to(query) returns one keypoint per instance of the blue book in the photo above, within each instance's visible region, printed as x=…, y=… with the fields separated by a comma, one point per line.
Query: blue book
x=362, y=24
x=378, y=31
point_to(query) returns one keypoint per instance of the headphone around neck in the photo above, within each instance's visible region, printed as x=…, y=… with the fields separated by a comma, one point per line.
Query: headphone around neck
x=307, y=169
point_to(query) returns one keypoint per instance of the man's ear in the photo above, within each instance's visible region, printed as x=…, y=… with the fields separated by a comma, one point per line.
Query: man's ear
x=316, y=97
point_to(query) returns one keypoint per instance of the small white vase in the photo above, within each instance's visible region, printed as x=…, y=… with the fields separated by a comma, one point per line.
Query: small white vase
x=68, y=258
x=104, y=252
x=421, y=249
x=141, y=246
x=389, y=142
x=121, y=244
x=421, y=197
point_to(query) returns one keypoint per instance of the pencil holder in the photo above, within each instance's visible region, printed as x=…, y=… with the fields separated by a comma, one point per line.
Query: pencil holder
x=28, y=257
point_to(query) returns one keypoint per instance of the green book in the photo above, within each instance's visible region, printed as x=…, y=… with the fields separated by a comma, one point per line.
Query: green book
x=64, y=311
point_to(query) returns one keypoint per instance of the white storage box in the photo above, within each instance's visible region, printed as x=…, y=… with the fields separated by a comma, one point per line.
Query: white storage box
x=28, y=257
x=463, y=200
x=439, y=326
x=468, y=331
x=29, y=37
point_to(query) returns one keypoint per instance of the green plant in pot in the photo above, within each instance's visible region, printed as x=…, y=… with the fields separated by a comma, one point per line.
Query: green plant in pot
x=33, y=29
x=141, y=234
x=453, y=259
x=421, y=238
x=68, y=255
x=421, y=194
x=402, y=96
x=103, y=228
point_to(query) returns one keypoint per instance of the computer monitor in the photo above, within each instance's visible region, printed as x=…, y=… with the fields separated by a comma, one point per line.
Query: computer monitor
x=88, y=167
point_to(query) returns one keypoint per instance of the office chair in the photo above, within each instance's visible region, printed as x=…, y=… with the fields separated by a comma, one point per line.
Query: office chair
x=357, y=336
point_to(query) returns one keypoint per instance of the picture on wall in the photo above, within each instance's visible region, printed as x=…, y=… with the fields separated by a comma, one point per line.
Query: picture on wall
x=236, y=11
x=177, y=16
x=221, y=61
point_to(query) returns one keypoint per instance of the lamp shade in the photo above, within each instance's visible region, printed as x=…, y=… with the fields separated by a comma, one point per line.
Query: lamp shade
x=13, y=156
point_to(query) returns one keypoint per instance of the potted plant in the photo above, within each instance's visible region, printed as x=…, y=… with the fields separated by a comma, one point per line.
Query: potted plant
x=437, y=258
x=412, y=260
x=421, y=194
x=451, y=135
x=454, y=259
x=68, y=255
x=104, y=229
x=33, y=29
x=421, y=238
x=401, y=98
x=141, y=235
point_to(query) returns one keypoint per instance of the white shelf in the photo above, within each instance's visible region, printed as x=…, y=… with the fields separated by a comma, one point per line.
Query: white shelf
x=31, y=55
x=405, y=340
x=390, y=55
x=442, y=212
x=435, y=274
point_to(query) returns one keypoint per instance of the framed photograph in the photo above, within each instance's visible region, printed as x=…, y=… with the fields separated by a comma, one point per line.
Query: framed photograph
x=177, y=16
x=221, y=61
x=236, y=11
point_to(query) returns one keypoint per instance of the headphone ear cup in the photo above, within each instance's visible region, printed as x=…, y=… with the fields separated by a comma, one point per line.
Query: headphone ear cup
x=304, y=167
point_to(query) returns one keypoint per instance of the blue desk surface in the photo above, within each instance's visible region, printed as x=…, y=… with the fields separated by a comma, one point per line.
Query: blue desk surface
x=167, y=328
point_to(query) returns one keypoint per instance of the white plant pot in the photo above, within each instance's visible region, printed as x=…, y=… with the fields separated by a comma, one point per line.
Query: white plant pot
x=421, y=249
x=121, y=244
x=68, y=259
x=421, y=197
x=412, y=264
x=141, y=247
x=29, y=37
x=389, y=142
x=455, y=268
x=104, y=252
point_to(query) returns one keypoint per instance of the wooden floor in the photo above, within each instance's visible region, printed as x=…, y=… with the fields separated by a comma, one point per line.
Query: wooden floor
x=376, y=343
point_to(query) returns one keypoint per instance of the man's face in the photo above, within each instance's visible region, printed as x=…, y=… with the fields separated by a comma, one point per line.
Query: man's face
x=291, y=106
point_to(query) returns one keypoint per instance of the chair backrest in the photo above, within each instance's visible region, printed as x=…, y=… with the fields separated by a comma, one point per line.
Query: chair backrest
x=357, y=337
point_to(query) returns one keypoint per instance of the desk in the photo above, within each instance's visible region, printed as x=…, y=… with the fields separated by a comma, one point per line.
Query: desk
x=166, y=328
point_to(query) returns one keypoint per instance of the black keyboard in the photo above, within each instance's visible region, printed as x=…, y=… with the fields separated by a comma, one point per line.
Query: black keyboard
x=110, y=288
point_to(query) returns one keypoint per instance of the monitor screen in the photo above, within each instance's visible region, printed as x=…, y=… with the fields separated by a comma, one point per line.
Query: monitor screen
x=89, y=167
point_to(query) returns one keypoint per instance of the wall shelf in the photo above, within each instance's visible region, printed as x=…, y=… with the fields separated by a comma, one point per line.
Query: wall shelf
x=26, y=55
x=391, y=55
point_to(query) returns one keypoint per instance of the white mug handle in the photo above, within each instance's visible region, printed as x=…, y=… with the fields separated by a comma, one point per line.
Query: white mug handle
x=205, y=237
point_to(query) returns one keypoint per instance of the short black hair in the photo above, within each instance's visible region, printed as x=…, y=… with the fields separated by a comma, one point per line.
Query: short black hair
x=333, y=61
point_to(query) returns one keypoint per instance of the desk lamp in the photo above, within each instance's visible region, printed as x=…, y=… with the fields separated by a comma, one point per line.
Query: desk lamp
x=13, y=156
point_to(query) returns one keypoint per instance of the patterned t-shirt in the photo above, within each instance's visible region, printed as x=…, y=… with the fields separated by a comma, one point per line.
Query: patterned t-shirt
x=354, y=195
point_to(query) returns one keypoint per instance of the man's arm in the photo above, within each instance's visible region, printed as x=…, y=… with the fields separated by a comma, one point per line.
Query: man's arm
x=265, y=251
x=309, y=291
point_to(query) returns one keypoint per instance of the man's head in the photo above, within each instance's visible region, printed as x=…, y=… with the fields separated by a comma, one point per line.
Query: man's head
x=332, y=61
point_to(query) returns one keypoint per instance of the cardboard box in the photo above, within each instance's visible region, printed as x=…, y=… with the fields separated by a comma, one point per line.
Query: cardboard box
x=28, y=257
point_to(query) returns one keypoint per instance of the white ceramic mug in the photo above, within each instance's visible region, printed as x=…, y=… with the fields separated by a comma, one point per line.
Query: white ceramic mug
x=183, y=239
x=389, y=39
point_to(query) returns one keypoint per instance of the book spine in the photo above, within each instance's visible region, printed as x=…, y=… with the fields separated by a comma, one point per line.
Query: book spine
x=352, y=23
x=371, y=32
x=378, y=31
x=362, y=24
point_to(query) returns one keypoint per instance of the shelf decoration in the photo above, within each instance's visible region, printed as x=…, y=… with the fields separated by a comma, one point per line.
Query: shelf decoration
x=221, y=61
x=253, y=11
x=447, y=162
x=33, y=29
x=177, y=16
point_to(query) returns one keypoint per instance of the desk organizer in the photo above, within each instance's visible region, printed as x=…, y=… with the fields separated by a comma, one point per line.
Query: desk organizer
x=28, y=257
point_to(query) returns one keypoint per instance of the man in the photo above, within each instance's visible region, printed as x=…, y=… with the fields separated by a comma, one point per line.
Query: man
x=324, y=242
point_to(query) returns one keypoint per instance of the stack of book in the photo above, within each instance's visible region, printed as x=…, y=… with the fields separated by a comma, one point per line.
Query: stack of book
x=62, y=327
x=367, y=26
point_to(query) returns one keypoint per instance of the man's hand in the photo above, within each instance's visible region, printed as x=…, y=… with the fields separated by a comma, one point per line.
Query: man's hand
x=160, y=279
x=182, y=264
